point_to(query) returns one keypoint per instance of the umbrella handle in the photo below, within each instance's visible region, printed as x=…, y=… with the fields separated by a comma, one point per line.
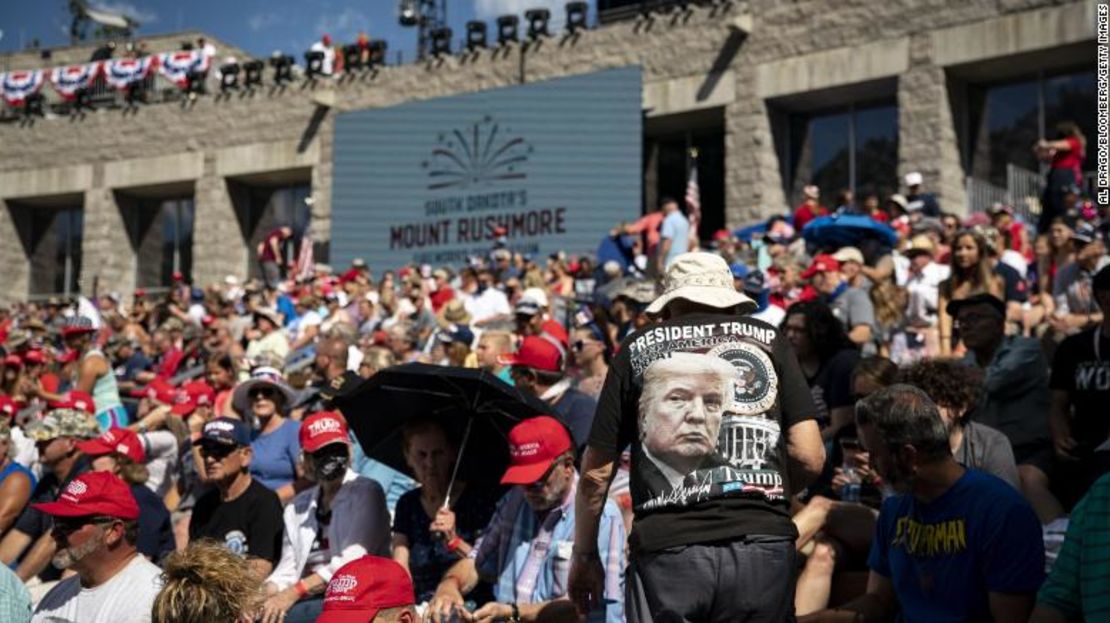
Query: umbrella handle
x=458, y=461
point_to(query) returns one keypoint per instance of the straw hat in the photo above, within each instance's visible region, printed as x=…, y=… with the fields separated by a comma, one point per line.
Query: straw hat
x=702, y=278
x=261, y=377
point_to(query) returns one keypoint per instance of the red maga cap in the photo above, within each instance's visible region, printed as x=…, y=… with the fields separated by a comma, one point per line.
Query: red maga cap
x=823, y=263
x=321, y=429
x=363, y=587
x=158, y=389
x=192, y=395
x=537, y=353
x=534, y=444
x=115, y=441
x=93, y=493
x=8, y=407
x=77, y=400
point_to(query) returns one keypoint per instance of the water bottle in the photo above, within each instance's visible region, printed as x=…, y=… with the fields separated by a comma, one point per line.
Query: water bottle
x=851, y=490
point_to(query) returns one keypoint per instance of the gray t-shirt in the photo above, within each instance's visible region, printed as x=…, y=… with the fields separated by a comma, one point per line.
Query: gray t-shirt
x=988, y=450
x=853, y=307
x=676, y=229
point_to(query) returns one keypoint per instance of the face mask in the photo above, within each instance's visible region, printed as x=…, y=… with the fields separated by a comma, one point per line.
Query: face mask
x=331, y=467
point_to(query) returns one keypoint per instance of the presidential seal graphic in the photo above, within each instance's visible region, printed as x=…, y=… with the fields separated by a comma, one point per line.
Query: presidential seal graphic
x=756, y=385
x=236, y=542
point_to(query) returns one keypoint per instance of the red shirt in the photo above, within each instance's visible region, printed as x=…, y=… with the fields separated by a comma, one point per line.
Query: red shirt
x=49, y=382
x=170, y=362
x=266, y=254
x=804, y=214
x=440, y=298
x=1071, y=159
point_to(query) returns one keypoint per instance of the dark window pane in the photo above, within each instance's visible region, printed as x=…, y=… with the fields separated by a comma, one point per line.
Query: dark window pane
x=271, y=208
x=876, y=150
x=163, y=239
x=829, y=146
x=1007, y=128
x=56, y=250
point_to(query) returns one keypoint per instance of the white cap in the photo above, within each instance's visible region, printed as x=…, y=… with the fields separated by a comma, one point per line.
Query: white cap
x=231, y=280
x=536, y=295
x=913, y=178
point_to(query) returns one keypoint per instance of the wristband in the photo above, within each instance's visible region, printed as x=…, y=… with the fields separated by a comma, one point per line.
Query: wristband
x=515, y=618
x=301, y=588
x=453, y=544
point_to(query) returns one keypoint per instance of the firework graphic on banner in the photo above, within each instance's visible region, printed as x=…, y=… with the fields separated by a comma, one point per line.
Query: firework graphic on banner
x=483, y=152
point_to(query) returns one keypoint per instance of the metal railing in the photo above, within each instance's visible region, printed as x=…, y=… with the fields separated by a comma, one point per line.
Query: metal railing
x=981, y=195
x=1023, y=192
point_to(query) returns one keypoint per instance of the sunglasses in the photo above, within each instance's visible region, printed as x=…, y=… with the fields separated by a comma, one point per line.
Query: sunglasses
x=68, y=525
x=217, y=451
x=580, y=345
x=264, y=392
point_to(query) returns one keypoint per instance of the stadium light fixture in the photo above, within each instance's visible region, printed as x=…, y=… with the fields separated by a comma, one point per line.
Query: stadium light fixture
x=507, y=27
x=537, y=23
x=576, y=16
x=475, y=35
x=441, y=41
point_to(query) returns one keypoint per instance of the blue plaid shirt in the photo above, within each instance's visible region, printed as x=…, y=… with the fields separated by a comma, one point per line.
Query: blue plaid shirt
x=502, y=553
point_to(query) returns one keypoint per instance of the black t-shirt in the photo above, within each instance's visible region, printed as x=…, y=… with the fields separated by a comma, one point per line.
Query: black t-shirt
x=250, y=525
x=1016, y=289
x=1085, y=375
x=155, y=529
x=831, y=387
x=703, y=400
x=35, y=523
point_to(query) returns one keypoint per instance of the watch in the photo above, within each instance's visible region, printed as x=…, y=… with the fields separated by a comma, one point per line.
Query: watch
x=515, y=616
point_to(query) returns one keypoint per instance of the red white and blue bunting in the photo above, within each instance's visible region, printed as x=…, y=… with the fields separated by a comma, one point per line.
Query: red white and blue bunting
x=123, y=72
x=176, y=66
x=68, y=81
x=17, y=86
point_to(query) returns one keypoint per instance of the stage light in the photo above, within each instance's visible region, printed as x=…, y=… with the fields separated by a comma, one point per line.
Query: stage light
x=441, y=41
x=537, y=23
x=32, y=106
x=313, y=63
x=378, y=49
x=576, y=16
x=409, y=13
x=475, y=35
x=507, y=26
x=283, y=67
x=352, y=57
x=252, y=73
x=229, y=76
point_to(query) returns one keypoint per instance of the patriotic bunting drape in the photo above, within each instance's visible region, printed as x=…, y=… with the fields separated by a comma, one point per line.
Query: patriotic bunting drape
x=17, y=86
x=176, y=66
x=123, y=72
x=68, y=81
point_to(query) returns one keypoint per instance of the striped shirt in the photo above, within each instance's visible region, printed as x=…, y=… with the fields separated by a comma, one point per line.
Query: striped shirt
x=1079, y=584
x=529, y=561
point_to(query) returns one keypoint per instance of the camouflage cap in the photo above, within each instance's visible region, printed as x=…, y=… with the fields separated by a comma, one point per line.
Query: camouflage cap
x=62, y=423
x=5, y=428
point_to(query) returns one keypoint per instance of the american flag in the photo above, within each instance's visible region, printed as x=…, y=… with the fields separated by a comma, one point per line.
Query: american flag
x=693, y=202
x=305, y=267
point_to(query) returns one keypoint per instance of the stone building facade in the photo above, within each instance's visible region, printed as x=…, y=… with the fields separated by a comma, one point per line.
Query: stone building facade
x=746, y=68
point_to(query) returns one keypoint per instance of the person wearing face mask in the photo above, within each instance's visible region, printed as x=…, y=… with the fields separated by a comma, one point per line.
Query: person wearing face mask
x=340, y=519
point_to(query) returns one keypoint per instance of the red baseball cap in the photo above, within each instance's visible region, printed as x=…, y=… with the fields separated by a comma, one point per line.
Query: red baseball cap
x=34, y=356
x=534, y=444
x=537, y=353
x=8, y=408
x=557, y=331
x=115, y=441
x=823, y=263
x=158, y=389
x=66, y=356
x=363, y=587
x=75, y=400
x=192, y=395
x=321, y=429
x=93, y=493
x=14, y=361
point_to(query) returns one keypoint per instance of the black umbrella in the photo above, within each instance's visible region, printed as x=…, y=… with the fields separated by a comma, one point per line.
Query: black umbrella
x=475, y=407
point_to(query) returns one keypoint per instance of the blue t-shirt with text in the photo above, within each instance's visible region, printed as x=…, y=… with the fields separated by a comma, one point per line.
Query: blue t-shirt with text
x=944, y=557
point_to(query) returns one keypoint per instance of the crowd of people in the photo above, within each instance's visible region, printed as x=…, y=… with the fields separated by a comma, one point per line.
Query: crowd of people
x=768, y=425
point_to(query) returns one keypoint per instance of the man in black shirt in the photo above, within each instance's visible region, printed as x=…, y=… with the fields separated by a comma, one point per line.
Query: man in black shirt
x=722, y=430
x=240, y=513
x=1080, y=386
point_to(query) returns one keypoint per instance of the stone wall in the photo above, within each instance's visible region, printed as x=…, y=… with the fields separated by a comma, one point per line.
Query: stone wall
x=794, y=47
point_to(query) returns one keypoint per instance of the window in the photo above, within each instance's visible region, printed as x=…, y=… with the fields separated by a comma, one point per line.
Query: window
x=270, y=208
x=854, y=148
x=162, y=234
x=1006, y=119
x=56, y=250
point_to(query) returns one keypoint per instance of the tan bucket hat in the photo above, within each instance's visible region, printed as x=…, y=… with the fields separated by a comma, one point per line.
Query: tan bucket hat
x=702, y=278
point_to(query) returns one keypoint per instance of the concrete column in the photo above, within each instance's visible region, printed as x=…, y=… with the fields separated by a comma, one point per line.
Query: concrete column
x=753, y=186
x=927, y=139
x=218, y=245
x=13, y=259
x=320, y=226
x=108, y=259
